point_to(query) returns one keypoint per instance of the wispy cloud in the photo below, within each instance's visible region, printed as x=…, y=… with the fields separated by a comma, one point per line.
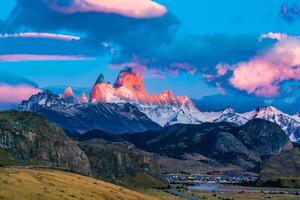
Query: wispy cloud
x=275, y=36
x=40, y=35
x=39, y=57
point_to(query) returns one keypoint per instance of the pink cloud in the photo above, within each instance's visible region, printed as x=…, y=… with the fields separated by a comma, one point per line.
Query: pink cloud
x=220, y=88
x=155, y=73
x=222, y=69
x=263, y=74
x=40, y=57
x=140, y=69
x=209, y=77
x=128, y=8
x=275, y=36
x=175, y=68
x=40, y=35
x=135, y=66
x=268, y=91
x=16, y=93
x=284, y=9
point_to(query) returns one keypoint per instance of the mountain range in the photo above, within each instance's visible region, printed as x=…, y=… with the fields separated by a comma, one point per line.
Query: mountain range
x=216, y=144
x=125, y=106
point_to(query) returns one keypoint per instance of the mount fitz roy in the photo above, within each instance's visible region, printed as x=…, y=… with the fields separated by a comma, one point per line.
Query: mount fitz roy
x=127, y=107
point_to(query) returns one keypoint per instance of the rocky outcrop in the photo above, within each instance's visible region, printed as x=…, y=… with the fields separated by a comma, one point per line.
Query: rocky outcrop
x=113, y=162
x=83, y=98
x=132, y=81
x=264, y=137
x=130, y=87
x=31, y=140
x=68, y=93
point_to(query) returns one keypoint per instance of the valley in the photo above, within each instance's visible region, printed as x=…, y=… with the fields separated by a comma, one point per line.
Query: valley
x=178, y=155
x=149, y=100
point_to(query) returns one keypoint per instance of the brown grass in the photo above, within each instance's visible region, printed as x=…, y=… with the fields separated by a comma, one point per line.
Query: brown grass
x=31, y=184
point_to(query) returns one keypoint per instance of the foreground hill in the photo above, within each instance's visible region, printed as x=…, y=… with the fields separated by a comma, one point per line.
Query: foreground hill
x=25, y=184
x=28, y=139
x=216, y=143
x=282, y=170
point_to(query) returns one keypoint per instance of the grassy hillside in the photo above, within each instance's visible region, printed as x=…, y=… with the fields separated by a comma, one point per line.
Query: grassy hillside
x=282, y=170
x=29, y=184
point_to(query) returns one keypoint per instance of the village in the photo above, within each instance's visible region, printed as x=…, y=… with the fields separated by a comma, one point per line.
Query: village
x=209, y=178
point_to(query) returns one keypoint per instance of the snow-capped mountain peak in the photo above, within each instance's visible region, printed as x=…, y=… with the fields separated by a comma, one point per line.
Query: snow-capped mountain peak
x=129, y=87
x=290, y=124
x=229, y=115
x=163, y=108
x=44, y=99
x=228, y=110
x=268, y=110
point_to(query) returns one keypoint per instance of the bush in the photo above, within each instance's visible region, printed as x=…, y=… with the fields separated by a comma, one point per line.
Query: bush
x=5, y=159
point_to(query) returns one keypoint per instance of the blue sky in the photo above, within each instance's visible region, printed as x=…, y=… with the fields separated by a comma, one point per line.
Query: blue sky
x=196, y=34
x=231, y=16
x=6, y=6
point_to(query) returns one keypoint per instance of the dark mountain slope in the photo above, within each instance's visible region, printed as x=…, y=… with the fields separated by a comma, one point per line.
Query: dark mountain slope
x=263, y=137
x=245, y=146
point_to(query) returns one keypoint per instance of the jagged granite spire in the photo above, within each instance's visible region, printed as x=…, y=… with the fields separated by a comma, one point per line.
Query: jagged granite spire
x=100, y=79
